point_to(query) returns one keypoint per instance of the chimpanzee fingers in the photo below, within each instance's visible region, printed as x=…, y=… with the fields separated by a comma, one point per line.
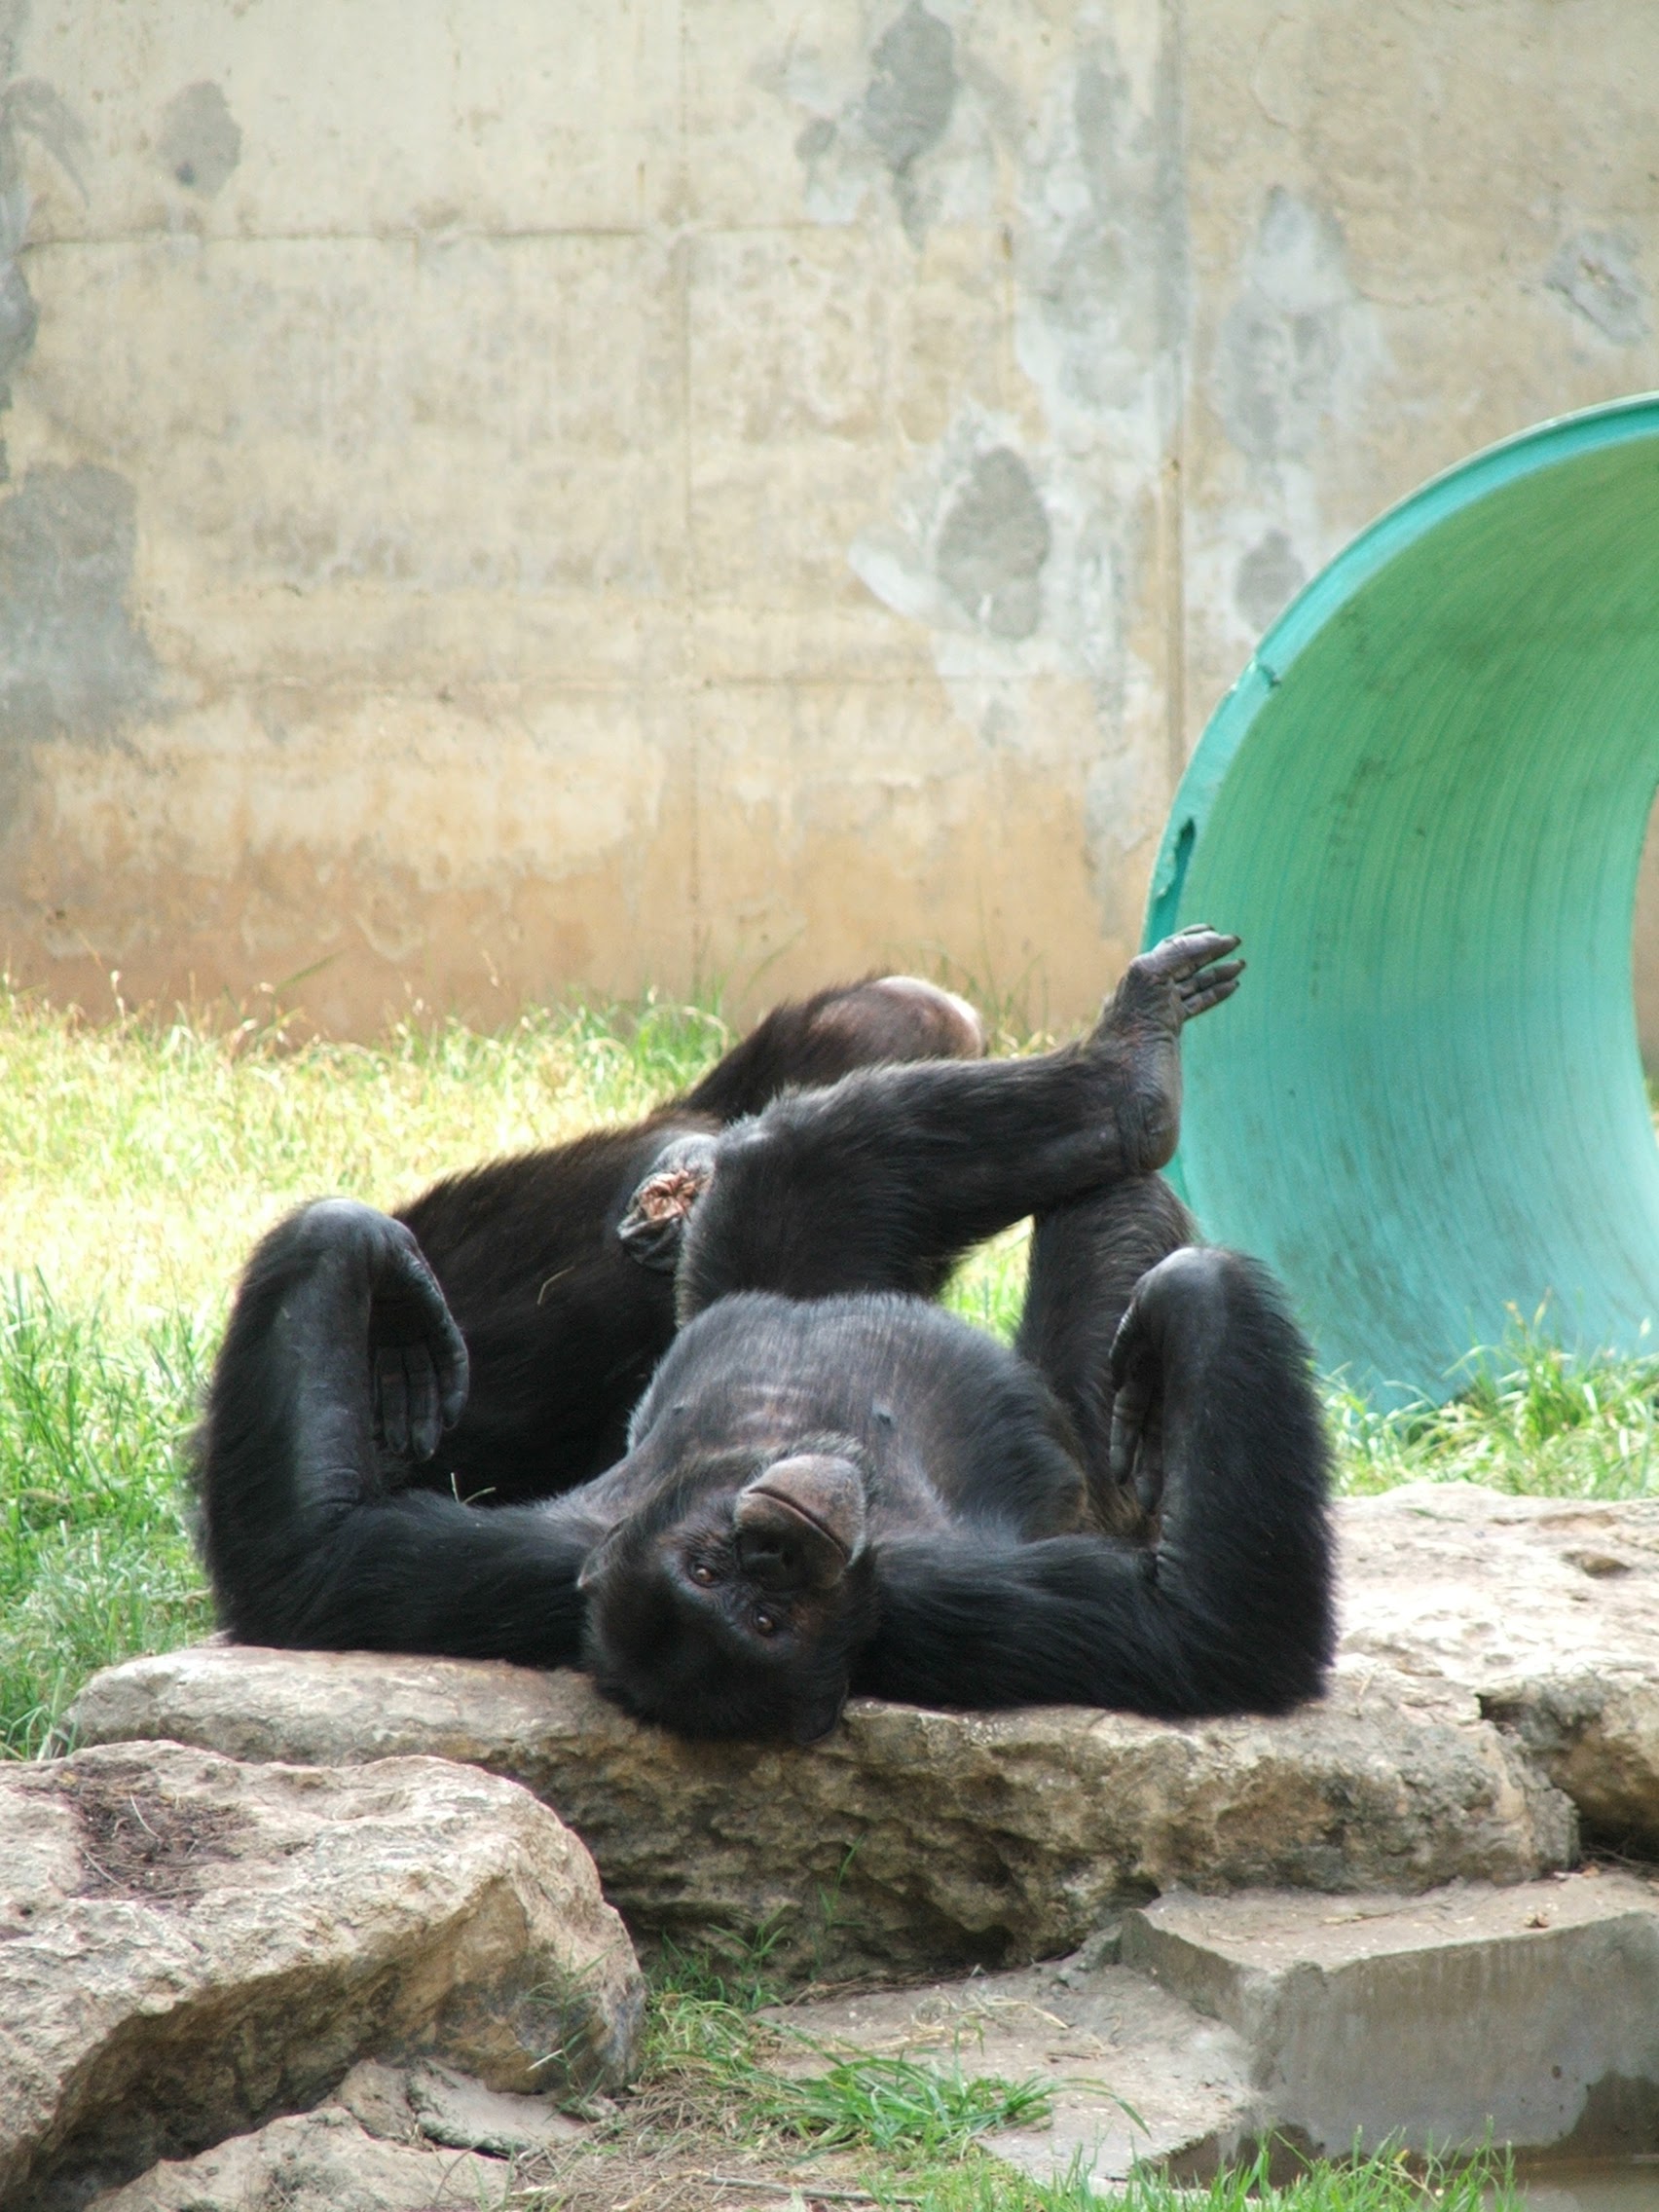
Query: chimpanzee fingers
x=1181, y=956
x=426, y=1422
x=391, y=1400
x=1210, y=988
x=1222, y=972
x=417, y=1315
x=1129, y=1417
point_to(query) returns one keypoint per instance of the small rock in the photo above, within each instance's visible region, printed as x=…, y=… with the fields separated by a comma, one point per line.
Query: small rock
x=454, y=2108
x=193, y=1945
x=319, y=2162
x=377, y=2096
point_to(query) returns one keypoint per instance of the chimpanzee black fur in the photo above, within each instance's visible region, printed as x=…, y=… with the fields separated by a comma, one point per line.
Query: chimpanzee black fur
x=829, y=1483
x=563, y=1326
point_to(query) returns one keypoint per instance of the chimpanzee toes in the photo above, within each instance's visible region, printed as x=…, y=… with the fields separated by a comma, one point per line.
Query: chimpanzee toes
x=1175, y=959
x=653, y=1227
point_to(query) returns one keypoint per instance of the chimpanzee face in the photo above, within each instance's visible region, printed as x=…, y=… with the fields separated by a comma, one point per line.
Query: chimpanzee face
x=732, y=1602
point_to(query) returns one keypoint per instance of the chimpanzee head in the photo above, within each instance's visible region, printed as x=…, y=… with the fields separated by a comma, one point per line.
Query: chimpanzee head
x=733, y=1601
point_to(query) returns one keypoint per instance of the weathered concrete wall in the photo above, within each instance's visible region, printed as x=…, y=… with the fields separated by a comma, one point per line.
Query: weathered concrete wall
x=509, y=499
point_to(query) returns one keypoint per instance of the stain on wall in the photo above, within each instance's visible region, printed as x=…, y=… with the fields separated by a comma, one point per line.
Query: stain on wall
x=73, y=663
x=993, y=544
x=1596, y=274
x=906, y=107
x=897, y=121
x=199, y=143
x=1295, y=333
x=29, y=109
x=1269, y=577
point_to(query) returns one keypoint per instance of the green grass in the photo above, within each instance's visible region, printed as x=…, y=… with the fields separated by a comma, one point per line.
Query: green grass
x=143, y=1160
x=1526, y=1418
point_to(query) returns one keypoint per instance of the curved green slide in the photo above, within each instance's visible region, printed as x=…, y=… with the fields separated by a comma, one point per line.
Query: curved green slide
x=1423, y=806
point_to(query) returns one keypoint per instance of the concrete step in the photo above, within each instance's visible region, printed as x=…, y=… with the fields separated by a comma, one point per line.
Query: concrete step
x=1529, y=2012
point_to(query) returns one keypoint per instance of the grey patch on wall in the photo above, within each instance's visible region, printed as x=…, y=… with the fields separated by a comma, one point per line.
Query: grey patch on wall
x=201, y=139
x=28, y=108
x=1282, y=342
x=1596, y=275
x=72, y=662
x=911, y=117
x=1102, y=252
x=1269, y=577
x=909, y=102
x=13, y=16
x=992, y=546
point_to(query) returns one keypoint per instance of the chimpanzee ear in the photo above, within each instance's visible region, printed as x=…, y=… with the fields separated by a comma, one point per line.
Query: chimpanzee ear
x=812, y=1505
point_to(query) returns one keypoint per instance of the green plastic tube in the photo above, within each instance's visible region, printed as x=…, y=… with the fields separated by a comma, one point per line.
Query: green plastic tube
x=1423, y=806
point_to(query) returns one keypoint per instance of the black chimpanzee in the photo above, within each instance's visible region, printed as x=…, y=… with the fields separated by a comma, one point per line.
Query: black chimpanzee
x=830, y=1485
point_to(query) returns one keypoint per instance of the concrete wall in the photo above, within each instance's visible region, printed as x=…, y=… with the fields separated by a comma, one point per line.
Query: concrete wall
x=519, y=495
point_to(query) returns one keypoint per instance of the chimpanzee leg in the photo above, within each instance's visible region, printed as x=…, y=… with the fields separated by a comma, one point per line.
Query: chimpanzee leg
x=340, y=1364
x=1086, y=1261
x=884, y=1019
x=883, y=1182
x=1229, y=1612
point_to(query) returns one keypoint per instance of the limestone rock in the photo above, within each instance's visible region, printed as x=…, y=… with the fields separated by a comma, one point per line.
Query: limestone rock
x=1529, y=2013
x=317, y=2162
x=191, y=1946
x=1546, y=1610
x=908, y=1838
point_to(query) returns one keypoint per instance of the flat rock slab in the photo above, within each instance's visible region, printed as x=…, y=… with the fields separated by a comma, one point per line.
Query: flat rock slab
x=1545, y=1609
x=188, y=1946
x=1530, y=2014
x=909, y=1839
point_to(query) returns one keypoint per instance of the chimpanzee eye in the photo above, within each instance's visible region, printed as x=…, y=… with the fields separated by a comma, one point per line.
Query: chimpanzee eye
x=766, y=1623
x=703, y=1572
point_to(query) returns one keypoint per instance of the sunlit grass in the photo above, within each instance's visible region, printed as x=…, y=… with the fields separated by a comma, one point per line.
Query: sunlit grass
x=96, y=1557
x=141, y=1160
x=1526, y=1417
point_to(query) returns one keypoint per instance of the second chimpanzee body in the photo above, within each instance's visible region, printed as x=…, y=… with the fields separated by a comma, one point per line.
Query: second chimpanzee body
x=829, y=1483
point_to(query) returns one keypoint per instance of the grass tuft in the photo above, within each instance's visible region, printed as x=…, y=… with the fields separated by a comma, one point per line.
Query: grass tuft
x=1530, y=1419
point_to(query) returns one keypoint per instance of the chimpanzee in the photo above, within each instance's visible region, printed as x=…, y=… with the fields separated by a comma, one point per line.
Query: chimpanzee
x=830, y=1485
x=566, y=1304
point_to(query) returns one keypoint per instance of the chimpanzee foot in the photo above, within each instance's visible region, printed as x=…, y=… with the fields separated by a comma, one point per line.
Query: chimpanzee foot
x=652, y=1228
x=1161, y=992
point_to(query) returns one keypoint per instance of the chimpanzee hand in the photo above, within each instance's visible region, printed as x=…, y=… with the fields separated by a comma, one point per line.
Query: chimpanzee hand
x=416, y=1357
x=1137, y=1454
x=1162, y=990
